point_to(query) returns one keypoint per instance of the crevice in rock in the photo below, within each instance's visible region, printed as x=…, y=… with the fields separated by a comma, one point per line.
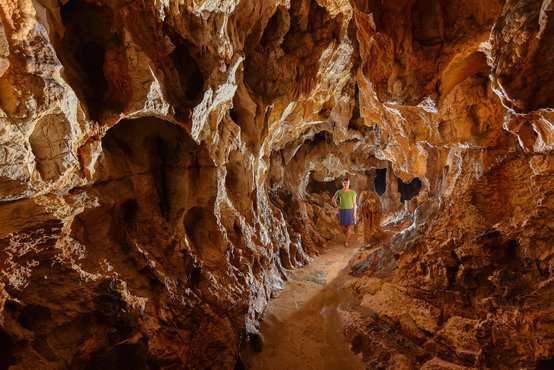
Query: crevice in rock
x=315, y=186
x=545, y=364
x=35, y=317
x=190, y=75
x=129, y=210
x=381, y=181
x=6, y=350
x=409, y=190
x=428, y=22
x=202, y=230
x=90, y=29
x=162, y=157
x=276, y=28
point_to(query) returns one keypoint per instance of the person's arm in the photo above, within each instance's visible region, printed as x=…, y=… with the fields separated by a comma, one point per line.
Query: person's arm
x=334, y=200
x=355, y=206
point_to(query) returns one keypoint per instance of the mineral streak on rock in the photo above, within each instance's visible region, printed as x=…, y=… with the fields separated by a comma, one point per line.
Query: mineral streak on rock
x=163, y=165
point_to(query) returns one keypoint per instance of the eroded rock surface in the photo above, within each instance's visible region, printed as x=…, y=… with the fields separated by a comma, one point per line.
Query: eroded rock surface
x=164, y=164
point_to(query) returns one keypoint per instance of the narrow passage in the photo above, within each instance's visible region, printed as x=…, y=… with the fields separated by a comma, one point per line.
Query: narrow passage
x=301, y=328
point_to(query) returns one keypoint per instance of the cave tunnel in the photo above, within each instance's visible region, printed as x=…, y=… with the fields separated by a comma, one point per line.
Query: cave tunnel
x=315, y=186
x=6, y=350
x=409, y=190
x=127, y=244
x=89, y=30
x=188, y=69
x=381, y=180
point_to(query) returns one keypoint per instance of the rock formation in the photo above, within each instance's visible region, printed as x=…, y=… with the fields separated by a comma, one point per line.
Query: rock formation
x=164, y=164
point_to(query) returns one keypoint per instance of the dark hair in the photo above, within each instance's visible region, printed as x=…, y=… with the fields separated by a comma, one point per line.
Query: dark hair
x=345, y=179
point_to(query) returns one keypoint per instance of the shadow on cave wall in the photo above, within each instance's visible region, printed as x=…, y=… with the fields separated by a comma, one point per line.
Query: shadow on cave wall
x=183, y=76
x=91, y=33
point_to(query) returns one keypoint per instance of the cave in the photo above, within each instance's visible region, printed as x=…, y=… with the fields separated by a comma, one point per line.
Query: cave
x=428, y=22
x=89, y=30
x=408, y=190
x=7, y=357
x=276, y=27
x=189, y=72
x=381, y=180
x=315, y=186
x=167, y=173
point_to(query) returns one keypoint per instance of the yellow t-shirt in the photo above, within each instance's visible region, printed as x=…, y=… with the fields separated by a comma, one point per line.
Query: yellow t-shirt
x=346, y=198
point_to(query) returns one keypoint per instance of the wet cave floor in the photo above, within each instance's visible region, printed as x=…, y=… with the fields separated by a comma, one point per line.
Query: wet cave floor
x=301, y=328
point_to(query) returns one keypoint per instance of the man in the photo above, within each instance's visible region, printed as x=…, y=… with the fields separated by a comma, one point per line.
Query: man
x=347, y=208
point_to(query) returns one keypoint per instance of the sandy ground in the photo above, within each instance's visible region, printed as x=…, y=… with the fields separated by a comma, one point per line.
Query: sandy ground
x=301, y=326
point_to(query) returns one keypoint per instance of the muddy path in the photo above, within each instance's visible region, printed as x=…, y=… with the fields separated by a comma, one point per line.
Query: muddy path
x=301, y=327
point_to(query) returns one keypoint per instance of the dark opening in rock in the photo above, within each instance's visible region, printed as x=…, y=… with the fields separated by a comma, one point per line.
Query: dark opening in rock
x=129, y=210
x=256, y=341
x=277, y=26
x=239, y=365
x=381, y=181
x=427, y=21
x=161, y=156
x=319, y=187
x=190, y=75
x=126, y=355
x=545, y=364
x=6, y=347
x=34, y=317
x=356, y=122
x=409, y=190
x=91, y=57
x=88, y=30
x=196, y=275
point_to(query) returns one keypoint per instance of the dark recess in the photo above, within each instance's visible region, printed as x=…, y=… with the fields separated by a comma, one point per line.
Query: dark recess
x=91, y=57
x=409, y=190
x=161, y=155
x=381, y=181
x=545, y=364
x=129, y=210
x=88, y=31
x=6, y=348
x=190, y=75
x=319, y=187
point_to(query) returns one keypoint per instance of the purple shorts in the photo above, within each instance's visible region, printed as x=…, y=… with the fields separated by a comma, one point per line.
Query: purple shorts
x=346, y=217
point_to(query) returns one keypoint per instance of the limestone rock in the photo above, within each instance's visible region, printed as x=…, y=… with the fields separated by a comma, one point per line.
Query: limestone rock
x=164, y=164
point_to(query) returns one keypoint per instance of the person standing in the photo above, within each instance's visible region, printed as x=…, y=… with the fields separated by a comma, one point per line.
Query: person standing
x=347, y=208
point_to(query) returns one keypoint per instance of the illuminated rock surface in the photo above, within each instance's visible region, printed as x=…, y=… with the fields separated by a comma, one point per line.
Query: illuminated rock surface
x=165, y=164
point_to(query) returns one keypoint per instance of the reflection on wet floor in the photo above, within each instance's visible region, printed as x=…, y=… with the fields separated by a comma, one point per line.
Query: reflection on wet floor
x=301, y=327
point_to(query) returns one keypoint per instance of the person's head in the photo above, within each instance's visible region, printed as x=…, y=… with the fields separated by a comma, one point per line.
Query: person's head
x=345, y=182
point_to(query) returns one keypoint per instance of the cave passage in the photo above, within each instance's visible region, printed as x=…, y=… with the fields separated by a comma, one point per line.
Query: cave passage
x=409, y=190
x=315, y=186
x=381, y=181
x=89, y=31
x=301, y=328
x=6, y=347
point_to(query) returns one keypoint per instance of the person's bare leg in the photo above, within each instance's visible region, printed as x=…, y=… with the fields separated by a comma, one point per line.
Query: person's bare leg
x=347, y=235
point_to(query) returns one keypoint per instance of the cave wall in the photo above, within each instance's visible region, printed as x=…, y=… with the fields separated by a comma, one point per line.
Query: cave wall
x=156, y=163
x=468, y=283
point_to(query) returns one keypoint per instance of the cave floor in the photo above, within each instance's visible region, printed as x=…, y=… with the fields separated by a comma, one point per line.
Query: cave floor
x=301, y=328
